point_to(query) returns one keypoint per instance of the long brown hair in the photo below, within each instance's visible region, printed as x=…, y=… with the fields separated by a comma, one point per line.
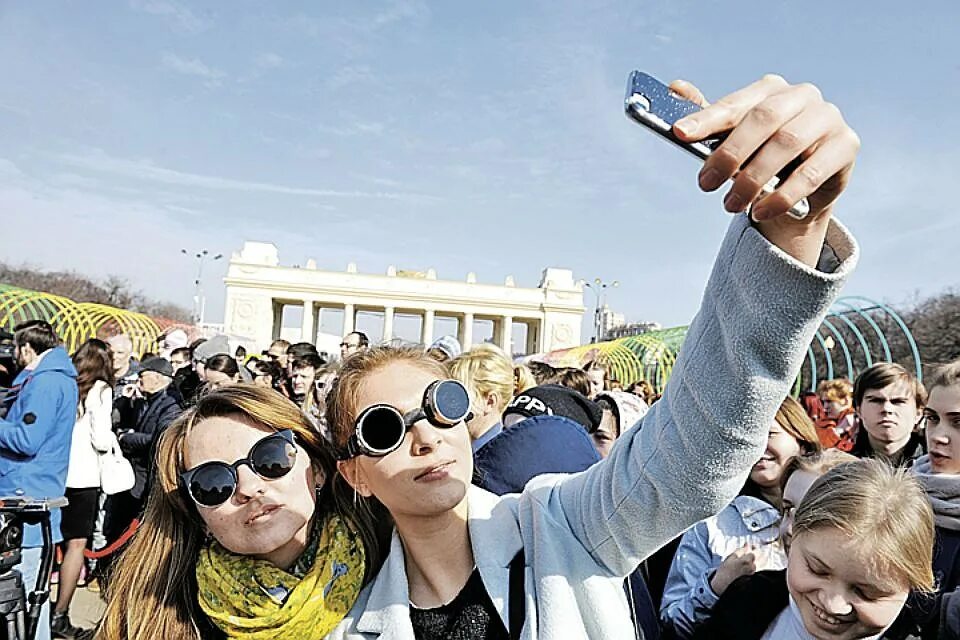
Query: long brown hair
x=93, y=362
x=344, y=395
x=153, y=591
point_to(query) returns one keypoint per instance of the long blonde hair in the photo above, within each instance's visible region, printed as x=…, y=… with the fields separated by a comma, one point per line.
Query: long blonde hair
x=152, y=592
x=345, y=394
x=881, y=507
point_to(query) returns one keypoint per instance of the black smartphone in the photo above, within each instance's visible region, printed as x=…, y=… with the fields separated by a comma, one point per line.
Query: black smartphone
x=650, y=103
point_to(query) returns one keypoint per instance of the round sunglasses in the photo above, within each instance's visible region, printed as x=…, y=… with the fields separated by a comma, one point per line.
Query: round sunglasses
x=213, y=483
x=380, y=428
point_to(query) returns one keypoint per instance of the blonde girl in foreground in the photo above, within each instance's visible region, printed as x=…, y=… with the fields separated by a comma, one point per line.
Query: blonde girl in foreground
x=861, y=540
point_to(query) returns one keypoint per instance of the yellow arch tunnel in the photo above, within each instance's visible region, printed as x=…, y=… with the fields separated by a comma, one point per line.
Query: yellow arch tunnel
x=76, y=322
x=649, y=356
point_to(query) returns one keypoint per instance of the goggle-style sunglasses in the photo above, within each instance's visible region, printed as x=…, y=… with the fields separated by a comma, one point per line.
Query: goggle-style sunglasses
x=213, y=483
x=380, y=429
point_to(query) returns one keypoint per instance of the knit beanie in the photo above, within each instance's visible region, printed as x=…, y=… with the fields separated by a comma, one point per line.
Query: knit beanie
x=556, y=400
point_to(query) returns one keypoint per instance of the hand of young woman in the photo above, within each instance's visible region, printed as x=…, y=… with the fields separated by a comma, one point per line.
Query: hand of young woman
x=742, y=562
x=771, y=123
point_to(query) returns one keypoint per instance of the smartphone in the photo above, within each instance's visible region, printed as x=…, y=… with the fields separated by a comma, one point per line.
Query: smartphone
x=650, y=103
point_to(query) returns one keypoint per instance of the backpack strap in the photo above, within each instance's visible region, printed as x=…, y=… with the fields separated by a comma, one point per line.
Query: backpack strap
x=518, y=599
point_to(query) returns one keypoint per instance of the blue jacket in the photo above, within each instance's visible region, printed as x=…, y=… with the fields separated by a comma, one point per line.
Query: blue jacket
x=688, y=598
x=583, y=533
x=36, y=434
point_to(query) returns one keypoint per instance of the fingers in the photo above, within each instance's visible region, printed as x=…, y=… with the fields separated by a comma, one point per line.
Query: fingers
x=688, y=91
x=783, y=128
x=771, y=125
x=826, y=173
x=727, y=112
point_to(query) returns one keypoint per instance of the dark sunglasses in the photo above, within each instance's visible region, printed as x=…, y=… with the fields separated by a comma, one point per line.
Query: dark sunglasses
x=213, y=483
x=380, y=429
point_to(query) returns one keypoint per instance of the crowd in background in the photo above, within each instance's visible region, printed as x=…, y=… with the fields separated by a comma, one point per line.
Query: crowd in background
x=526, y=420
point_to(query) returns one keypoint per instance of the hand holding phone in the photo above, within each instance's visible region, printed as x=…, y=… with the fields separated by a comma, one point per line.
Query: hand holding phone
x=653, y=105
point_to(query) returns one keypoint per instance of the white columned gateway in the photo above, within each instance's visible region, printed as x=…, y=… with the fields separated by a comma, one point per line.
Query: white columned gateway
x=258, y=288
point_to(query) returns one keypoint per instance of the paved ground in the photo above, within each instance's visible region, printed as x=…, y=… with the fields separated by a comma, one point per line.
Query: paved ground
x=87, y=608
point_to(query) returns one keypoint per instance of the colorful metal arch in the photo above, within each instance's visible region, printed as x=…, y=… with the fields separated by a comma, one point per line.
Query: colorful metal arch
x=651, y=356
x=76, y=322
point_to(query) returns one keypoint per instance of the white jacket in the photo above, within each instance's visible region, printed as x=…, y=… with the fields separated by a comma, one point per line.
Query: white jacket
x=92, y=435
x=583, y=533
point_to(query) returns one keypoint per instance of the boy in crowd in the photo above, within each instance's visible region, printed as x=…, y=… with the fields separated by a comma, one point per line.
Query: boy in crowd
x=889, y=400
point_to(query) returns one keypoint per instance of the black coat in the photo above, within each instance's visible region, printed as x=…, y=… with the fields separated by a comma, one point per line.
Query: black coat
x=748, y=606
x=916, y=447
x=151, y=416
x=936, y=616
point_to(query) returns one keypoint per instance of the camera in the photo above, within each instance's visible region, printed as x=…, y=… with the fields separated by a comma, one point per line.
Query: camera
x=20, y=609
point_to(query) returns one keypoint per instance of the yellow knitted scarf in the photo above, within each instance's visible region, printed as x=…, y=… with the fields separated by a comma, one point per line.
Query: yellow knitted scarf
x=254, y=600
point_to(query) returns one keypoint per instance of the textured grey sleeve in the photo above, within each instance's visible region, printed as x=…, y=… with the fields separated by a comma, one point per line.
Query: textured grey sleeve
x=694, y=448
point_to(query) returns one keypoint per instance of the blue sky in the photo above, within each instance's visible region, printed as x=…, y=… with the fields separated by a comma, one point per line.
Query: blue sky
x=485, y=137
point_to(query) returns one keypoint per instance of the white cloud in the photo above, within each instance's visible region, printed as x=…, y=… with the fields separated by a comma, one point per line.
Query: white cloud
x=353, y=129
x=147, y=171
x=180, y=17
x=193, y=67
x=269, y=60
x=399, y=11
x=350, y=74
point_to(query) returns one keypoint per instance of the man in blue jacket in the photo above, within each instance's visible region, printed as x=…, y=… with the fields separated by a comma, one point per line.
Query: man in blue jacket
x=35, y=437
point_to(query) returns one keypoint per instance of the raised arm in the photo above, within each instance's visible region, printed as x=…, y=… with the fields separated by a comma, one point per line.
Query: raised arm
x=761, y=307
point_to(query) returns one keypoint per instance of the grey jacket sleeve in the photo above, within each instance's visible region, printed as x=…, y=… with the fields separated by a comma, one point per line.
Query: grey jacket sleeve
x=694, y=448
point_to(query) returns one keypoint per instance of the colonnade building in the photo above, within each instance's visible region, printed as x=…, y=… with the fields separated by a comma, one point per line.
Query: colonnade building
x=259, y=290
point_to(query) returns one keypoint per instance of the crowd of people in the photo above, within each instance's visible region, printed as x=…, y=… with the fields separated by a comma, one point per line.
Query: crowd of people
x=424, y=491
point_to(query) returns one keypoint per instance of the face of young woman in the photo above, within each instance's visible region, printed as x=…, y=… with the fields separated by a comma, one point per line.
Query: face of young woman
x=889, y=414
x=596, y=381
x=430, y=473
x=263, y=518
x=833, y=408
x=839, y=596
x=796, y=487
x=781, y=447
x=942, y=422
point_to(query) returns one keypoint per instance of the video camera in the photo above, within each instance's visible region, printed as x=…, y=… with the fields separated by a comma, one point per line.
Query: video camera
x=20, y=610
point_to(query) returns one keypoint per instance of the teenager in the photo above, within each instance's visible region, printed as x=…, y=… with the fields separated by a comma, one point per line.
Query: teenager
x=248, y=531
x=399, y=422
x=861, y=540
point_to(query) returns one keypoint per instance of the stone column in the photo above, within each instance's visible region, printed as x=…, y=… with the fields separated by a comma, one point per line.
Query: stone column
x=307, y=333
x=466, y=331
x=426, y=334
x=387, y=324
x=348, y=318
x=534, y=329
x=277, y=319
x=506, y=335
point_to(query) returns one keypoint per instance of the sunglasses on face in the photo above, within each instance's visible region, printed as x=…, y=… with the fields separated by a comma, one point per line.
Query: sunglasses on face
x=380, y=429
x=213, y=483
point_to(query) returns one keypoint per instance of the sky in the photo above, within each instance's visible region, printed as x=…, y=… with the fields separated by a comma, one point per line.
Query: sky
x=484, y=137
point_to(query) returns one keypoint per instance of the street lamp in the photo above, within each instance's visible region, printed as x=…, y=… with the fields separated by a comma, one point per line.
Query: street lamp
x=198, y=300
x=599, y=288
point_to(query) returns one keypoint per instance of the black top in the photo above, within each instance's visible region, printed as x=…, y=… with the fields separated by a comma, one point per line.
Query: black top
x=916, y=446
x=469, y=616
x=747, y=607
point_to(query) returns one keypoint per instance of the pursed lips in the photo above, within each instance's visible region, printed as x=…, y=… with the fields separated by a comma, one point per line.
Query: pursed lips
x=433, y=469
x=263, y=511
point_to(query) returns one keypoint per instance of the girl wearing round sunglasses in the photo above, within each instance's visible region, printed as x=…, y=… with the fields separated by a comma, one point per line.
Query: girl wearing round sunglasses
x=452, y=570
x=247, y=531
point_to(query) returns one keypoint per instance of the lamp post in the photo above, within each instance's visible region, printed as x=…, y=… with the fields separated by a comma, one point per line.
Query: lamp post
x=198, y=300
x=599, y=288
